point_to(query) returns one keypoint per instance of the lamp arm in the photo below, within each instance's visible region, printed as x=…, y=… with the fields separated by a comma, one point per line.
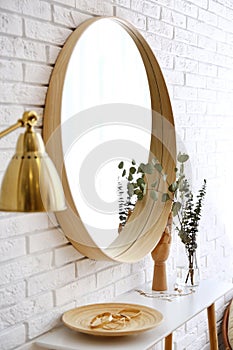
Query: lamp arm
x=29, y=119
x=11, y=128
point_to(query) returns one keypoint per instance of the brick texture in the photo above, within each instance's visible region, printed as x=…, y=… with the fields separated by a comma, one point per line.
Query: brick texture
x=42, y=275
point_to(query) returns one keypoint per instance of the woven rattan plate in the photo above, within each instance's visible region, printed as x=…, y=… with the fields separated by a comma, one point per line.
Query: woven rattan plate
x=79, y=319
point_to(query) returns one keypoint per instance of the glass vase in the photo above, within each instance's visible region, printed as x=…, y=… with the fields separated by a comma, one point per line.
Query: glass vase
x=187, y=271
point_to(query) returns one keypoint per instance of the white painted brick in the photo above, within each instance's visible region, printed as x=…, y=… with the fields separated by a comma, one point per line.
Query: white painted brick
x=218, y=9
x=86, y=267
x=20, y=224
x=66, y=255
x=143, y=264
x=12, y=294
x=186, y=8
x=225, y=24
x=35, y=8
x=194, y=322
x=159, y=28
x=198, y=344
x=24, y=310
x=225, y=73
x=225, y=49
x=68, y=17
x=206, y=95
x=97, y=7
x=67, y=2
x=43, y=323
x=207, y=43
x=35, y=73
x=75, y=290
x=200, y=27
x=10, y=113
x=172, y=17
x=155, y=43
x=24, y=267
x=196, y=107
x=201, y=3
x=12, y=248
x=215, y=83
x=105, y=294
x=167, y=3
x=207, y=69
x=12, y=337
x=146, y=7
x=22, y=93
x=46, y=240
x=124, y=3
x=184, y=92
x=11, y=70
x=207, y=17
x=183, y=342
x=23, y=49
x=129, y=282
x=185, y=36
x=53, y=52
x=179, y=48
x=186, y=65
x=137, y=19
x=112, y=274
x=51, y=280
x=164, y=60
x=178, y=107
x=173, y=77
x=195, y=80
x=11, y=24
x=46, y=32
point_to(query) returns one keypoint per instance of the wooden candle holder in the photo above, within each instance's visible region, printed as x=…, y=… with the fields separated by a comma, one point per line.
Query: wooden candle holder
x=160, y=255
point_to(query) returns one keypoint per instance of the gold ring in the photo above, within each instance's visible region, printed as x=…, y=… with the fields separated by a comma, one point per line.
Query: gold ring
x=101, y=319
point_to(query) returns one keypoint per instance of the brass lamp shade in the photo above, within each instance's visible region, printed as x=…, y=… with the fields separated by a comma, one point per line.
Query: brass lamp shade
x=31, y=182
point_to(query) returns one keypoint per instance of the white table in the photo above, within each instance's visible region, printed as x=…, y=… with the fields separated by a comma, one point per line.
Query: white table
x=175, y=313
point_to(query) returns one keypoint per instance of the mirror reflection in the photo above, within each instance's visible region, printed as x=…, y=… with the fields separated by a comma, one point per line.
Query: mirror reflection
x=105, y=69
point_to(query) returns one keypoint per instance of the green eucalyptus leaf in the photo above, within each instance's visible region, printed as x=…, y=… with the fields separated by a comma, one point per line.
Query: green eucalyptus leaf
x=132, y=170
x=165, y=197
x=130, y=188
x=148, y=169
x=141, y=168
x=173, y=187
x=123, y=173
x=133, y=162
x=182, y=158
x=130, y=177
x=140, y=181
x=120, y=165
x=154, y=195
x=140, y=196
x=176, y=208
x=158, y=167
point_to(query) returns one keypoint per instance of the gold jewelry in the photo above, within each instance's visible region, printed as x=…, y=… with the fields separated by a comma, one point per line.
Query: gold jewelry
x=109, y=321
x=130, y=313
x=101, y=319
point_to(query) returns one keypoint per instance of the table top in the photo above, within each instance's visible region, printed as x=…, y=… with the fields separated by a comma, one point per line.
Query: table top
x=175, y=313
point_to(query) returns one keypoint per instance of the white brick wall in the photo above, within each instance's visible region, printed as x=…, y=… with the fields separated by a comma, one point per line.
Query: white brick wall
x=41, y=274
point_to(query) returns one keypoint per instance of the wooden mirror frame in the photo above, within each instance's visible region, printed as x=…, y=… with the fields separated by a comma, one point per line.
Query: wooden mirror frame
x=140, y=236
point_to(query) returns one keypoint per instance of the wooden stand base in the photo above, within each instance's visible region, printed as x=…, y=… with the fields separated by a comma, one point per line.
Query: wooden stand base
x=160, y=255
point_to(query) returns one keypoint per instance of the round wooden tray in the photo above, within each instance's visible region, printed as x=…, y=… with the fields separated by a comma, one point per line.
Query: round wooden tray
x=79, y=319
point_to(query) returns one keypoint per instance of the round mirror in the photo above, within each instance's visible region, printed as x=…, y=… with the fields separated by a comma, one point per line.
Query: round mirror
x=107, y=102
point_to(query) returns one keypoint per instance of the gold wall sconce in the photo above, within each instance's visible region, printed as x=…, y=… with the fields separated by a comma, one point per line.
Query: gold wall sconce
x=31, y=182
